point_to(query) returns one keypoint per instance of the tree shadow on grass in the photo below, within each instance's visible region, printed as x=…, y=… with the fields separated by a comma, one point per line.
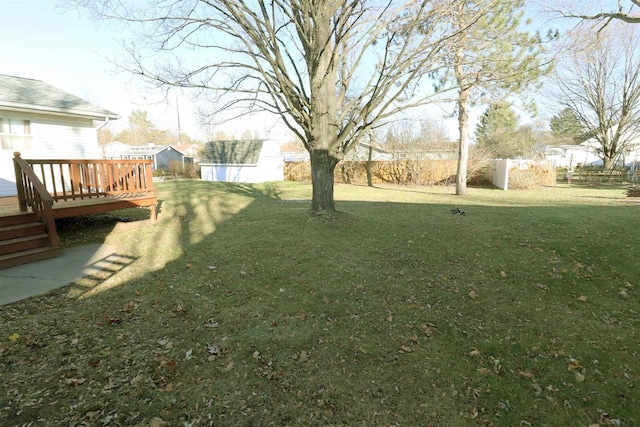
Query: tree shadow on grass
x=295, y=321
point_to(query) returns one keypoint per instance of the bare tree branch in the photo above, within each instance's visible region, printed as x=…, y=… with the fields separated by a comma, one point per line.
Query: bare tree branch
x=601, y=85
x=630, y=15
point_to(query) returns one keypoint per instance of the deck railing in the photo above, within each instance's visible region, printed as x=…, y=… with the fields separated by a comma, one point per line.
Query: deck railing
x=33, y=194
x=86, y=179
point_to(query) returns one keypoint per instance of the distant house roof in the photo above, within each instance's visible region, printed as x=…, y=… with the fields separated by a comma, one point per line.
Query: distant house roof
x=244, y=152
x=147, y=150
x=22, y=94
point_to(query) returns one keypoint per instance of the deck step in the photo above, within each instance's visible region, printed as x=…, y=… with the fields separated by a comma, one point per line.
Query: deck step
x=15, y=219
x=24, y=243
x=25, y=257
x=21, y=230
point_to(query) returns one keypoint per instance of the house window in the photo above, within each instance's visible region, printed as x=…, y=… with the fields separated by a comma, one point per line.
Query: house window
x=15, y=134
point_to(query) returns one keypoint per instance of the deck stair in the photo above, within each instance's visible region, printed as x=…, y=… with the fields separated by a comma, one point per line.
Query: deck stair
x=23, y=239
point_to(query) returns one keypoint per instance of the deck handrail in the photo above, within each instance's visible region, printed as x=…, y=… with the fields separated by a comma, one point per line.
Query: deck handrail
x=88, y=178
x=32, y=193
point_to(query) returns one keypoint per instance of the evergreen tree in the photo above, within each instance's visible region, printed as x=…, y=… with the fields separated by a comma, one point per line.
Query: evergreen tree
x=498, y=120
x=566, y=127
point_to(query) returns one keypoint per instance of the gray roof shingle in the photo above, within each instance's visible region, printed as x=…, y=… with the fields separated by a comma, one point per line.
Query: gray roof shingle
x=19, y=93
x=245, y=152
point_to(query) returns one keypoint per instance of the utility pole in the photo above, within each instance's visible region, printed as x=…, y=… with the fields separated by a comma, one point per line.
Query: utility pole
x=178, y=115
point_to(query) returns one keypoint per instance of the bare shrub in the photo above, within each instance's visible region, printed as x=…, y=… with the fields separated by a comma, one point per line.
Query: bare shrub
x=533, y=176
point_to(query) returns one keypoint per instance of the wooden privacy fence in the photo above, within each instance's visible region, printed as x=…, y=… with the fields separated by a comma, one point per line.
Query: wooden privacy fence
x=393, y=171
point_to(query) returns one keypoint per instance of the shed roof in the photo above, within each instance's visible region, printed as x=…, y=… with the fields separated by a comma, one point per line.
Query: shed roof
x=22, y=94
x=225, y=152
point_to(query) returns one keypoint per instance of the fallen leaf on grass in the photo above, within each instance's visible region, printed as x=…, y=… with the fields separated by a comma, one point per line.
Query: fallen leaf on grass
x=112, y=320
x=473, y=295
x=579, y=377
x=130, y=306
x=136, y=380
x=503, y=274
x=428, y=328
x=157, y=422
x=541, y=286
x=573, y=365
x=582, y=298
x=525, y=374
x=304, y=356
x=74, y=382
x=172, y=365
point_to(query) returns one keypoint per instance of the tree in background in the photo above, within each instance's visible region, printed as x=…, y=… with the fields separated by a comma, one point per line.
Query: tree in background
x=498, y=119
x=105, y=136
x=600, y=83
x=566, y=128
x=142, y=131
x=332, y=70
x=499, y=134
x=495, y=56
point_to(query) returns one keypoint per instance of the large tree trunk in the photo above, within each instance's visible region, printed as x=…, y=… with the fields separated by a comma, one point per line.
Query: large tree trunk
x=322, y=144
x=322, y=168
x=463, y=147
x=369, y=180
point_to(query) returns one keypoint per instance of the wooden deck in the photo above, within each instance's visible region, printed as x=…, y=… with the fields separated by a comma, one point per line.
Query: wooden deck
x=70, y=208
x=53, y=189
x=79, y=187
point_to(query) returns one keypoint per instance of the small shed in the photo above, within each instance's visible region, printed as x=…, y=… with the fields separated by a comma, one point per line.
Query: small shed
x=248, y=161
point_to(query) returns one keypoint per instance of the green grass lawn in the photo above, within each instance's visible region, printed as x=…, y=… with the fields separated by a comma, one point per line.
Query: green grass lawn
x=236, y=308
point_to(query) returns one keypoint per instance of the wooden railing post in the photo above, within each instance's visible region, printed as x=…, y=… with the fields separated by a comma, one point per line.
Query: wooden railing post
x=148, y=179
x=22, y=199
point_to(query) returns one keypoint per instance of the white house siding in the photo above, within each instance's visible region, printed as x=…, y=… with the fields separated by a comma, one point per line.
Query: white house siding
x=53, y=137
x=229, y=173
x=66, y=138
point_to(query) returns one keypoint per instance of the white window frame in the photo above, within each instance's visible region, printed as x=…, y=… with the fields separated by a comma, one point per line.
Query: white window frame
x=15, y=134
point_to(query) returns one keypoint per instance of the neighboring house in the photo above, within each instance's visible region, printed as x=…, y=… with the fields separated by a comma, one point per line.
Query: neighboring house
x=586, y=153
x=162, y=155
x=114, y=150
x=190, y=150
x=249, y=161
x=43, y=122
x=572, y=155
